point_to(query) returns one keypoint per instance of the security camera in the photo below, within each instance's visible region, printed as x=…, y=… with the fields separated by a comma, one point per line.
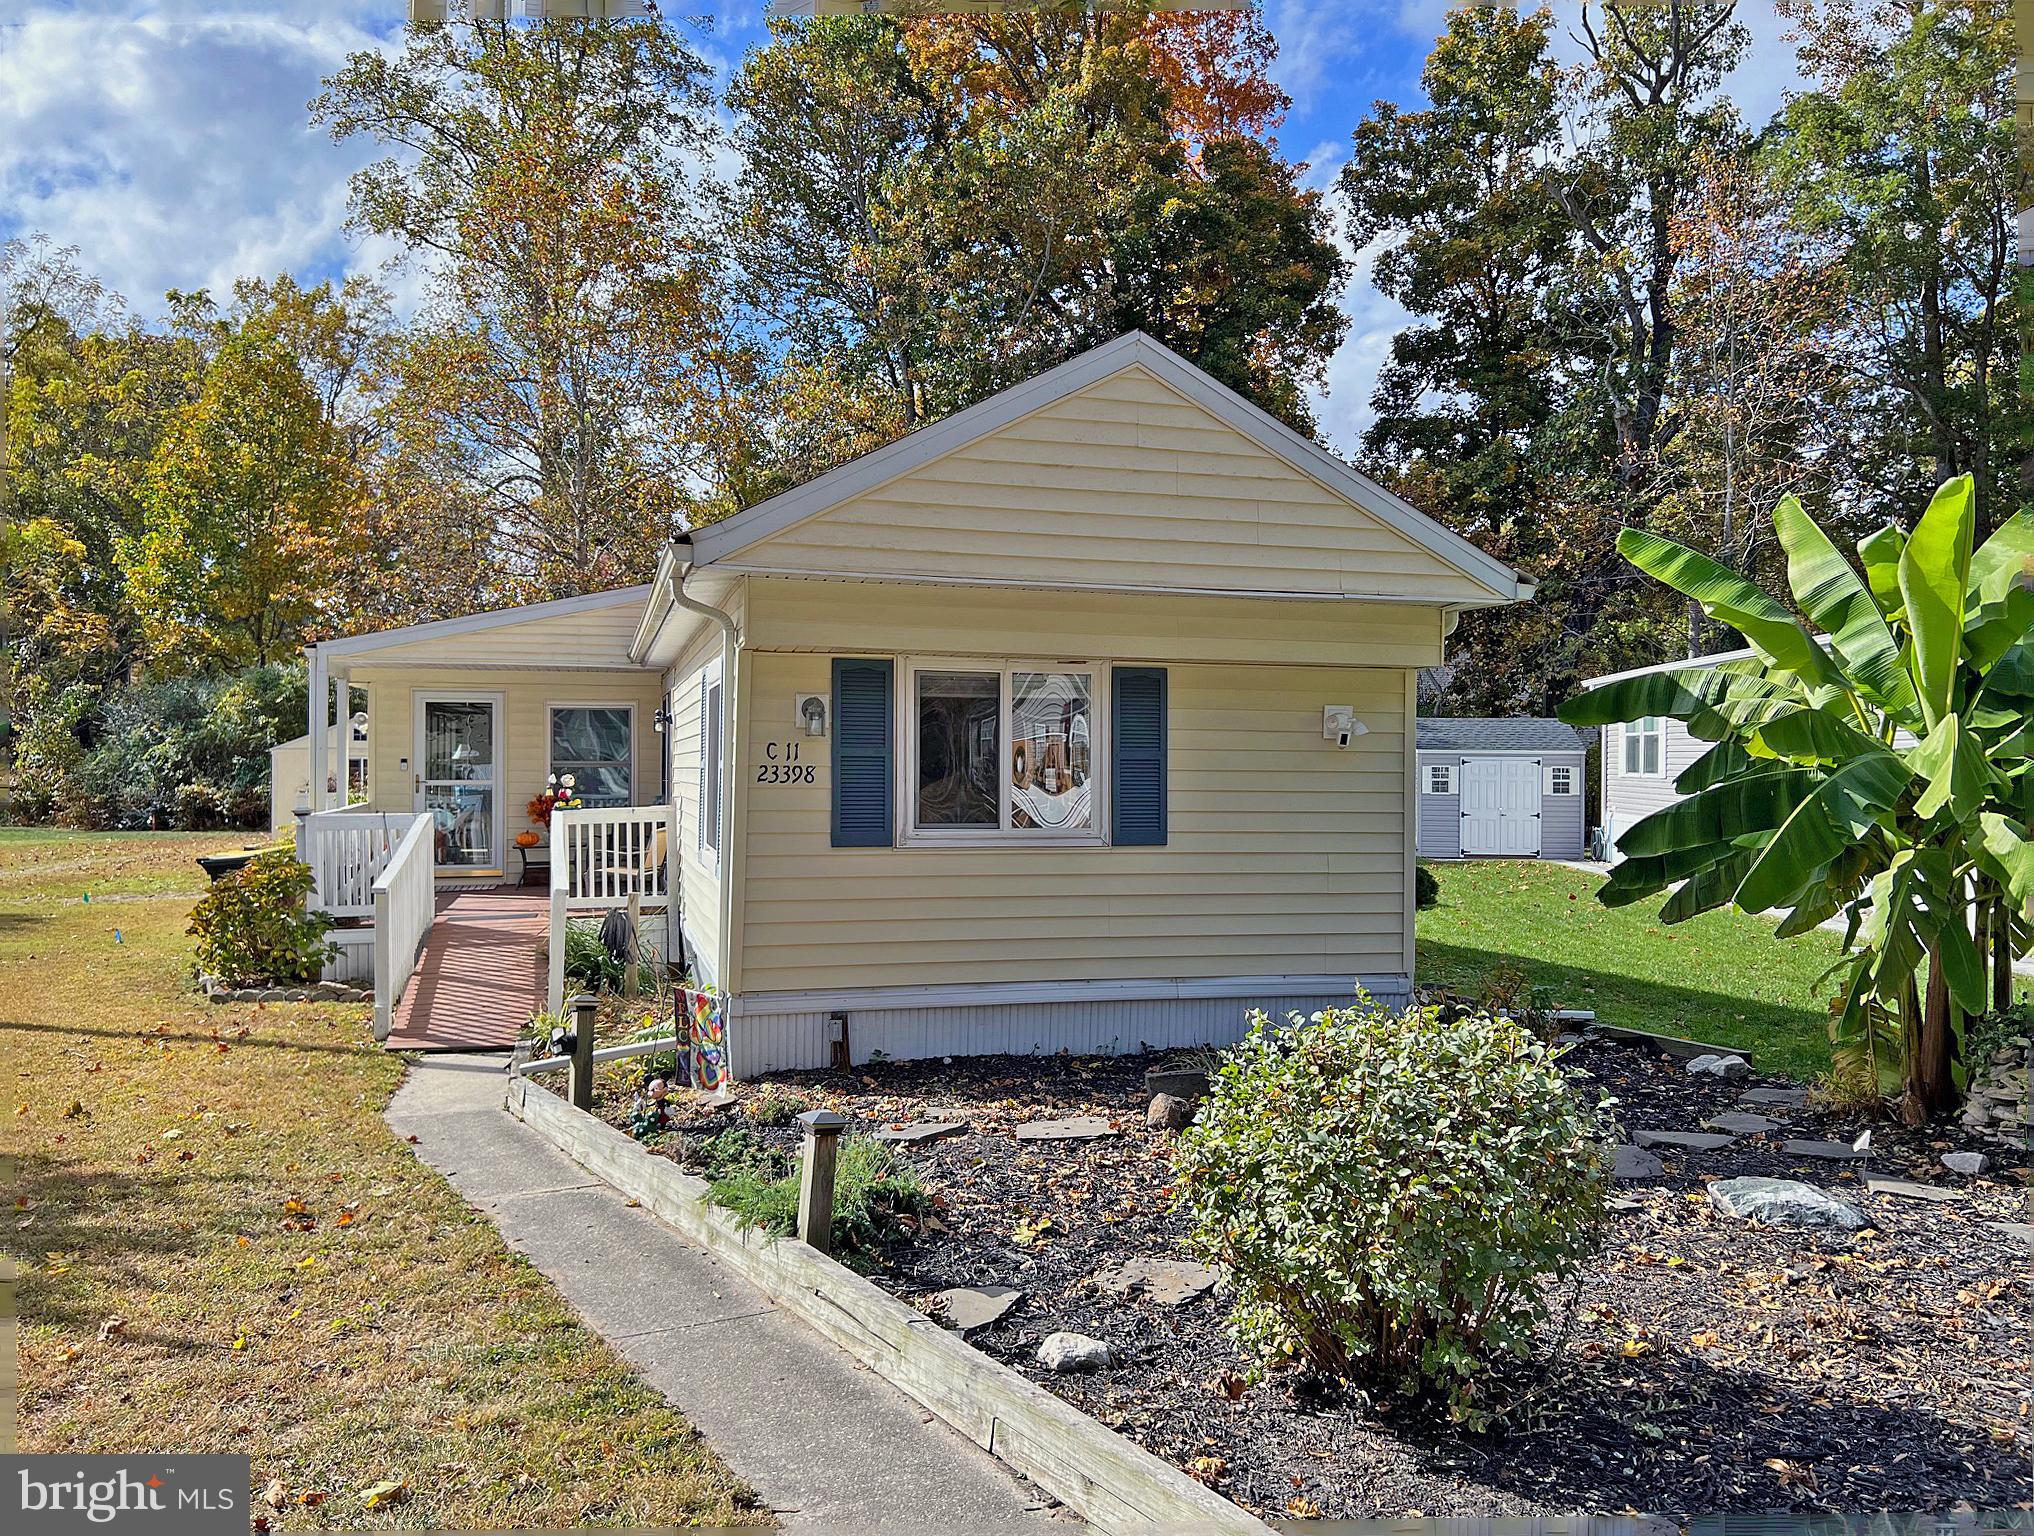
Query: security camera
x=1340, y=725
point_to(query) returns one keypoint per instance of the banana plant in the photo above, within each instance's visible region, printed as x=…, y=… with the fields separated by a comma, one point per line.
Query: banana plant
x=1872, y=760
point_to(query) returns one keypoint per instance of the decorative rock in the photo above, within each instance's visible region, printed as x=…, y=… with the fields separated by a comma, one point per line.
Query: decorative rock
x=271, y=995
x=1189, y=1083
x=1829, y=1151
x=919, y=1132
x=968, y=1307
x=1168, y=1112
x=1907, y=1189
x=1966, y=1162
x=1635, y=1163
x=1080, y=1128
x=2018, y=1230
x=1792, y=1098
x=1166, y=1281
x=1711, y=1065
x=1739, y=1123
x=1782, y=1203
x=1074, y=1352
x=1692, y=1141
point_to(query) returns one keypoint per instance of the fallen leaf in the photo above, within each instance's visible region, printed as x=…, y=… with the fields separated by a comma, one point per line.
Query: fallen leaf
x=394, y=1491
x=112, y=1328
x=275, y=1495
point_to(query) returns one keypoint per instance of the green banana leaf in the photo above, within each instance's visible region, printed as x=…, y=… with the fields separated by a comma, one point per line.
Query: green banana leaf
x=1842, y=806
x=2007, y=855
x=1830, y=593
x=1880, y=554
x=1729, y=599
x=1711, y=888
x=1934, y=575
x=1951, y=764
x=1741, y=807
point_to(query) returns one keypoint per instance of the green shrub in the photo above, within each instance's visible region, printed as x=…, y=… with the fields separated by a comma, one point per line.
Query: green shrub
x=252, y=927
x=1426, y=887
x=590, y=967
x=1387, y=1195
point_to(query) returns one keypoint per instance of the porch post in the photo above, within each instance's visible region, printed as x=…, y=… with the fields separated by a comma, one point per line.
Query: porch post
x=343, y=730
x=320, y=707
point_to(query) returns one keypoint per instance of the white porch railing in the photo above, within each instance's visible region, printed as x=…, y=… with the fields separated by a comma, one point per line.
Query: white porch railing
x=603, y=859
x=347, y=851
x=404, y=903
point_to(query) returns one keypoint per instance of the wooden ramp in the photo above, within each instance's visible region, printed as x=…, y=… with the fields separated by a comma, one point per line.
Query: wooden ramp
x=480, y=975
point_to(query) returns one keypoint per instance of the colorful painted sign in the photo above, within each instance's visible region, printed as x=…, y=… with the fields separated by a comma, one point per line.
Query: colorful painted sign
x=706, y=1036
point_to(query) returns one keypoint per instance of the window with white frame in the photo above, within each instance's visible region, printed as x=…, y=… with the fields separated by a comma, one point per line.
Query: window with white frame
x=710, y=766
x=1642, y=746
x=595, y=743
x=1002, y=750
x=1561, y=779
x=1440, y=779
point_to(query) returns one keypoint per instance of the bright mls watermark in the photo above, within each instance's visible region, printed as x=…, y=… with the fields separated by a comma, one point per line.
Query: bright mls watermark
x=162, y=1495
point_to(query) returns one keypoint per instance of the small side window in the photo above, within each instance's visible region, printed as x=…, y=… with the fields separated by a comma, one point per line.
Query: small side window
x=1561, y=779
x=1440, y=778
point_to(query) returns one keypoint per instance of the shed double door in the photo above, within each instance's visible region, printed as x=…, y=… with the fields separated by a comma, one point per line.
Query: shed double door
x=1501, y=806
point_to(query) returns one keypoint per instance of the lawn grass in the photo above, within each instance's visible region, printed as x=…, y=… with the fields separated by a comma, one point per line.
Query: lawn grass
x=1721, y=977
x=224, y=1248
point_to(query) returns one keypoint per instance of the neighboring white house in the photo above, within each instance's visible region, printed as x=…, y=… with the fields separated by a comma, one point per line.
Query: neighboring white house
x=1642, y=758
x=1503, y=788
x=289, y=773
x=1080, y=719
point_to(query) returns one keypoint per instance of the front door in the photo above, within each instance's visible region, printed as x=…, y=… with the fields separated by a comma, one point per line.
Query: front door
x=458, y=779
x=1501, y=806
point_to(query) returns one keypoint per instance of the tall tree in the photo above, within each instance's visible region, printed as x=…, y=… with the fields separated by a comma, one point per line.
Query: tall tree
x=546, y=172
x=251, y=495
x=1905, y=155
x=931, y=210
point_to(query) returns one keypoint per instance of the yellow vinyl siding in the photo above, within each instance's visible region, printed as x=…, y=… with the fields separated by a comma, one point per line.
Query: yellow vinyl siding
x=698, y=883
x=526, y=699
x=1285, y=855
x=878, y=618
x=1124, y=484
x=596, y=638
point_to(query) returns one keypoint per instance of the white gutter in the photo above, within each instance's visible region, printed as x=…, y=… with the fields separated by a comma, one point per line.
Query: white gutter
x=675, y=567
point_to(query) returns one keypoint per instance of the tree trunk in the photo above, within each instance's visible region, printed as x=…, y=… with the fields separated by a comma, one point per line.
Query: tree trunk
x=1931, y=1089
x=2002, y=954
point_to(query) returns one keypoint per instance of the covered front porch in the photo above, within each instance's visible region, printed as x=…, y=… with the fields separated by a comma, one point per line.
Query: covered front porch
x=451, y=877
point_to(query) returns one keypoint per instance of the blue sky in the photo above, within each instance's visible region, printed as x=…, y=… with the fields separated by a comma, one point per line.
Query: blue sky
x=167, y=139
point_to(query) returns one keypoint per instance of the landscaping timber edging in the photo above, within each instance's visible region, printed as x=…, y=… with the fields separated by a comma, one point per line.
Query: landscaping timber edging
x=1106, y=1479
x=1673, y=1045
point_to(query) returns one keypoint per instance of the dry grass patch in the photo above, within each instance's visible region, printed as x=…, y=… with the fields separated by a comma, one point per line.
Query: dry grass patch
x=224, y=1247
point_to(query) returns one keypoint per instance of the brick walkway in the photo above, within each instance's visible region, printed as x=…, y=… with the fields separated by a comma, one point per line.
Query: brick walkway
x=481, y=974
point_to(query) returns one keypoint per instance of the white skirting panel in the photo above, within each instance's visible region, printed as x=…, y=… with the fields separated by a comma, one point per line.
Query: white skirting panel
x=354, y=964
x=781, y=1042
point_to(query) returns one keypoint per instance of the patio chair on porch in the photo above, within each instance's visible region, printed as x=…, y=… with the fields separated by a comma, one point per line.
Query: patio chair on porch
x=638, y=875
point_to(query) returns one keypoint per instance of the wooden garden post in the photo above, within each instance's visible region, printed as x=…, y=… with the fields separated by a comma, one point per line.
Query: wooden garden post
x=815, y=1182
x=583, y=1006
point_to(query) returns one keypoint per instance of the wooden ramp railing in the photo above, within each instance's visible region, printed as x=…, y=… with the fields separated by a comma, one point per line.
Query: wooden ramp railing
x=601, y=859
x=405, y=905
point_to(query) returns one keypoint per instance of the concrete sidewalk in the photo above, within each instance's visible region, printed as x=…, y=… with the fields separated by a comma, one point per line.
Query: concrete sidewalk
x=827, y=1444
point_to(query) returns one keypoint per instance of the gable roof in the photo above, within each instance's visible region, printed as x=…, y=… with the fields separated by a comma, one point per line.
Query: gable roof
x=591, y=630
x=1474, y=578
x=1467, y=733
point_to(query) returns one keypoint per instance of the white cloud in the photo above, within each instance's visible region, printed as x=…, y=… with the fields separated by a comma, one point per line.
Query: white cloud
x=171, y=144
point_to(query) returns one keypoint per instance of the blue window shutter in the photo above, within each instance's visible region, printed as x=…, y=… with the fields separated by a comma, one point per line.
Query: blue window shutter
x=1137, y=735
x=862, y=747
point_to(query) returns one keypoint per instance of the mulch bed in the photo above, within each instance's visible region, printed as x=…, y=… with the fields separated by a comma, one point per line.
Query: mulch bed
x=1710, y=1365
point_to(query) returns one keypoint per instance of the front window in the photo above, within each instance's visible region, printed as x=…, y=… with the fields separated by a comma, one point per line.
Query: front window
x=1003, y=751
x=594, y=743
x=1642, y=746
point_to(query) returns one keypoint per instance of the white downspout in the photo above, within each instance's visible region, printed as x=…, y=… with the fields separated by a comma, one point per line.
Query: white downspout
x=730, y=657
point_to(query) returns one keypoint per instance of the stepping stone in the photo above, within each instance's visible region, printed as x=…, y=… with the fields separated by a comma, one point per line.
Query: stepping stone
x=2015, y=1229
x=1783, y=1203
x=919, y=1132
x=1189, y=1083
x=1829, y=1151
x=1074, y=1352
x=1966, y=1162
x=1692, y=1141
x=1739, y=1123
x=968, y=1307
x=1166, y=1281
x=1907, y=1189
x=1791, y=1098
x=1620, y=1203
x=1634, y=1163
x=1080, y=1128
